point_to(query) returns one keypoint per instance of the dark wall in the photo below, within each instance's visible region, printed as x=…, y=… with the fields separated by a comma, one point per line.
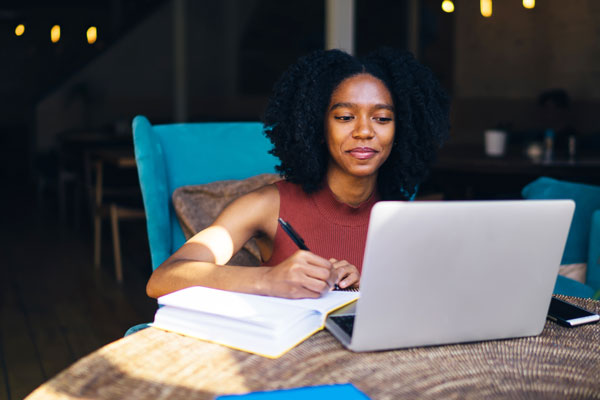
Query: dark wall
x=502, y=64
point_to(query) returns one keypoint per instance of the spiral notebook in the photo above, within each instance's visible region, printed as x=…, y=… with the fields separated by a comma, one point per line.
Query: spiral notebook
x=267, y=326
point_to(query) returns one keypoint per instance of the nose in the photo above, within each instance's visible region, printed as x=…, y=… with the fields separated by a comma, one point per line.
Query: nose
x=363, y=129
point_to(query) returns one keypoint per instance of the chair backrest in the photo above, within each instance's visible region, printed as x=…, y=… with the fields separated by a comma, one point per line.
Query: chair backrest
x=583, y=243
x=587, y=200
x=173, y=155
x=593, y=265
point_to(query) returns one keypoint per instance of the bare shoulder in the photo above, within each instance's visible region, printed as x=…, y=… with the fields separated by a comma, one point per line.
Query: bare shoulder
x=255, y=212
x=262, y=199
x=265, y=194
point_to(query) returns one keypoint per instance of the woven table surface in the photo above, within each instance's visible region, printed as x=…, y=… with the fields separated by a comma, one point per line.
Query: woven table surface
x=561, y=363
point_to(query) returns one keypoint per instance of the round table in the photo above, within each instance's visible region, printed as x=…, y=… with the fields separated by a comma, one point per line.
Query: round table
x=561, y=363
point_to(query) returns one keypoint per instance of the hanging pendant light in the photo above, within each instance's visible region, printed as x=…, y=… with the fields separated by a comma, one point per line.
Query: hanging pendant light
x=485, y=6
x=55, y=33
x=92, y=34
x=529, y=4
x=448, y=6
x=20, y=30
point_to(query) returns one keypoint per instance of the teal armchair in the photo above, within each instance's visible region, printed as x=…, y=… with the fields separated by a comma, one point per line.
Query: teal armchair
x=583, y=242
x=173, y=155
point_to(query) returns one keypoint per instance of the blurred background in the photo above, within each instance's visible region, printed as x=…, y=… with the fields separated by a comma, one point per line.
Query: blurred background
x=74, y=74
x=203, y=60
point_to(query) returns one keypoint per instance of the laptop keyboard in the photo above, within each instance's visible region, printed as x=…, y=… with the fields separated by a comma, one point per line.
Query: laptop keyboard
x=346, y=322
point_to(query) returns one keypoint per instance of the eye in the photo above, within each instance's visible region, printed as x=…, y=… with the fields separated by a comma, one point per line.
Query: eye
x=383, y=120
x=343, y=117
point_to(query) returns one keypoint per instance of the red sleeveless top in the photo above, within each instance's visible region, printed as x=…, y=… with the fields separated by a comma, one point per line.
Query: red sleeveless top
x=330, y=229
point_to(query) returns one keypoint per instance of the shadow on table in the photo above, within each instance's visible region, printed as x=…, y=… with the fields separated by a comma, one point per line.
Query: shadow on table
x=560, y=363
x=95, y=377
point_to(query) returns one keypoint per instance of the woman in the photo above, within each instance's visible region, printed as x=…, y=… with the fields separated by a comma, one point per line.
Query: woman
x=348, y=132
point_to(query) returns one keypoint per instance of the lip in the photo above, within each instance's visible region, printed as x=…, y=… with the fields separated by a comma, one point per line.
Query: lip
x=362, y=153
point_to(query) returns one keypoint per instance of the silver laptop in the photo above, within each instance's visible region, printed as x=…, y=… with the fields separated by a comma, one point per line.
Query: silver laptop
x=450, y=272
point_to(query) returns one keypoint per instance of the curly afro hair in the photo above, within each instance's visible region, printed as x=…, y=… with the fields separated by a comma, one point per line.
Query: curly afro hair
x=295, y=117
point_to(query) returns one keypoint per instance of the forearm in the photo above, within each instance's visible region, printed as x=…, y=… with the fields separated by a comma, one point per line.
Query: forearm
x=180, y=274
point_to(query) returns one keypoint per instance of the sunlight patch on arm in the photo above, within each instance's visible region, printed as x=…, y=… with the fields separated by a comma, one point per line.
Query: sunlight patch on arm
x=218, y=240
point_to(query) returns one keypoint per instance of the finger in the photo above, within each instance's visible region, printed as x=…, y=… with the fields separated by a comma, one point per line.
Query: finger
x=346, y=273
x=319, y=268
x=316, y=285
x=319, y=273
x=344, y=268
x=332, y=278
x=339, y=263
x=343, y=274
x=313, y=259
x=350, y=280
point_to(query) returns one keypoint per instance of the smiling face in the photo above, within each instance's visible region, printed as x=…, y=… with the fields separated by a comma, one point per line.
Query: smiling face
x=359, y=126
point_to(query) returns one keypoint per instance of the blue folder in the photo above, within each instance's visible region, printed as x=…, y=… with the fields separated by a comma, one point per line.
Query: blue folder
x=347, y=391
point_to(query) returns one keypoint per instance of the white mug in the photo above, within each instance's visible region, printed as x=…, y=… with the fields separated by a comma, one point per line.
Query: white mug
x=495, y=142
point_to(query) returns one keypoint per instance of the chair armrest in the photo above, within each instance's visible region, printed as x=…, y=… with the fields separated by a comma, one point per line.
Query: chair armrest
x=153, y=182
x=570, y=287
x=593, y=264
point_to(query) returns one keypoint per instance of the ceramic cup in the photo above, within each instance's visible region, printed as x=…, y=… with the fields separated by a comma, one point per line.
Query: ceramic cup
x=495, y=142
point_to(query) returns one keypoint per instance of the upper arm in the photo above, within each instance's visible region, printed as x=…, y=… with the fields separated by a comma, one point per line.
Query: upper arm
x=250, y=215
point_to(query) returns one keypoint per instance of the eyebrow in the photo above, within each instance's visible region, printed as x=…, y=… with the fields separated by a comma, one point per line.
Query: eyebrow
x=351, y=105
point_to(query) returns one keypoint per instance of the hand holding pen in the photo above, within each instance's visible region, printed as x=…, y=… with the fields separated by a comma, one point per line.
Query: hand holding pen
x=297, y=239
x=301, y=275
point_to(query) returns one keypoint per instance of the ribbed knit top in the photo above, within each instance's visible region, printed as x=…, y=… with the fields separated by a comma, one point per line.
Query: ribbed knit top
x=330, y=229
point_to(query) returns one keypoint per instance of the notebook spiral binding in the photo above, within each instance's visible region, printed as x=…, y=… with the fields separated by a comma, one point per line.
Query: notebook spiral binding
x=350, y=289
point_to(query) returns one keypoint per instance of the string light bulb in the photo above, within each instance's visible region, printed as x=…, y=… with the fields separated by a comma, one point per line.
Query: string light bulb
x=529, y=4
x=55, y=33
x=92, y=34
x=486, y=8
x=448, y=6
x=20, y=30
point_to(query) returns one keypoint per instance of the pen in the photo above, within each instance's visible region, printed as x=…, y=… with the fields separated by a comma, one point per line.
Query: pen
x=292, y=234
x=297, y=239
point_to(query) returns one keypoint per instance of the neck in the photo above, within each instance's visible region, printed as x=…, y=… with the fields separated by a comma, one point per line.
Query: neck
x=351, y=190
